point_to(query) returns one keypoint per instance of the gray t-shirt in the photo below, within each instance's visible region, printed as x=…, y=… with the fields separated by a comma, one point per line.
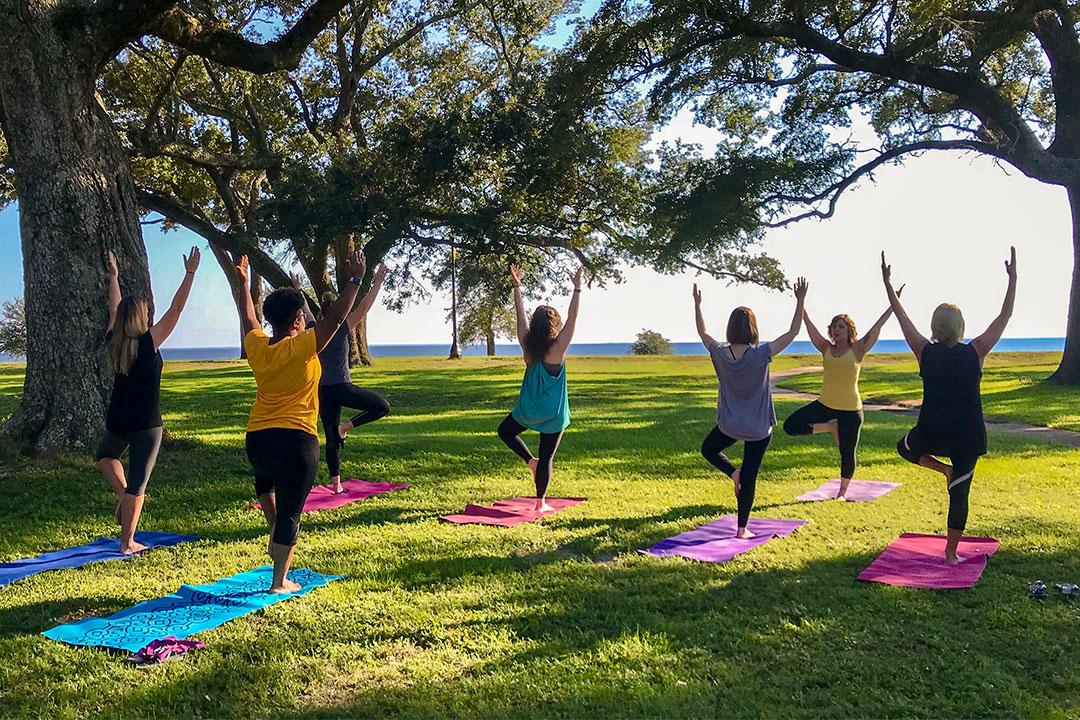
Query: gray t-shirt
x=335, y=358
x=744, y=405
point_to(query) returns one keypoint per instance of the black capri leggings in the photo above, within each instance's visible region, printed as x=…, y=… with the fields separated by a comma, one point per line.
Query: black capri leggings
x=712, y=448
x=142, y=447
x=848, y=424
x=334, y=397
x=509, y=432
x=963, y=473
x=285, y=462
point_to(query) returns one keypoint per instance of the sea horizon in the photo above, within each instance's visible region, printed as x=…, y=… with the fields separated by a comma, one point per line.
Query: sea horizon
x=798, y=347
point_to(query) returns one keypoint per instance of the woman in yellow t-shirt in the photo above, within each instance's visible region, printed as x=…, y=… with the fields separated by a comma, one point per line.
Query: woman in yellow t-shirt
x=282, y=433
x=838, y=409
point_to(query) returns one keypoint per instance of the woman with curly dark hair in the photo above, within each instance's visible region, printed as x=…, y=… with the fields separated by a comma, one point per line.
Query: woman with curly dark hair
x=542, y=404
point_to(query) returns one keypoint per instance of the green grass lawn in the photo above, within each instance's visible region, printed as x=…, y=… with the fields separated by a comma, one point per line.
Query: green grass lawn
x=558, y=618
x=1014, y=386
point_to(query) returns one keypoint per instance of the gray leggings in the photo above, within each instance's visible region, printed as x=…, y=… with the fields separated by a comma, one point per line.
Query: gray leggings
x=142, y=447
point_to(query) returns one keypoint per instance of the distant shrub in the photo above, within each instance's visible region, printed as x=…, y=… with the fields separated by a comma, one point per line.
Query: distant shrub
x=650, y=342
x=13, y=328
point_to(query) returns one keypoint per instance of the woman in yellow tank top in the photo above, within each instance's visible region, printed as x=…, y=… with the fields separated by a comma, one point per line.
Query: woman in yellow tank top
x=838, y=409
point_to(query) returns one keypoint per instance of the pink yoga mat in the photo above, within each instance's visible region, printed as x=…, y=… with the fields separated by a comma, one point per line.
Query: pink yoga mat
x=716, y=541
x=322, y=497
x=514, y=511
x=918, y=561
x=858, y=491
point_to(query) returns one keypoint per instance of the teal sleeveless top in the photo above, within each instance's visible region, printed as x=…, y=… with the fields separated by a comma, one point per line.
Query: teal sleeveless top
x=543, y=405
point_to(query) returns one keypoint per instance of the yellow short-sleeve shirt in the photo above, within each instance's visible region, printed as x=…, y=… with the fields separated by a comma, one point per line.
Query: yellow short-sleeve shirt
x=287, y=380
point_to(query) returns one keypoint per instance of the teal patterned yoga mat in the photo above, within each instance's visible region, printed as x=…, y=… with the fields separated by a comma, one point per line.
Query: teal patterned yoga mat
x=189, y=610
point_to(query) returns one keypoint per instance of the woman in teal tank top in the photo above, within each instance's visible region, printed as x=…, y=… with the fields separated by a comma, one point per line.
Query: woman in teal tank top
x=542, y=404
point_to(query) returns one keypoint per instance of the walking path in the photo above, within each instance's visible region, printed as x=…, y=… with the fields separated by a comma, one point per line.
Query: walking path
x=1070, y=438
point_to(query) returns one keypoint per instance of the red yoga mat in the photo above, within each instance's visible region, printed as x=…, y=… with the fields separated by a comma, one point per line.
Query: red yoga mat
x=918, y=561
x=506, y=513
x=322, y=497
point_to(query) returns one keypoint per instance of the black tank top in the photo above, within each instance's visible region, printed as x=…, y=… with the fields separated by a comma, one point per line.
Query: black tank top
x=951, y=418
x=136, y=403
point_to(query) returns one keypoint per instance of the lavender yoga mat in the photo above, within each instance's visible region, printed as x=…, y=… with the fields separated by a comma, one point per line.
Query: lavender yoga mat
x=716, y=541
x=858, y=491
x=506, y=513
x=918, y=561
x=322, y=497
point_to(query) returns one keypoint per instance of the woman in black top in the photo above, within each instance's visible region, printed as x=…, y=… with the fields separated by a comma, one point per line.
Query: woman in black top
x=133, y=421
x=950, y=421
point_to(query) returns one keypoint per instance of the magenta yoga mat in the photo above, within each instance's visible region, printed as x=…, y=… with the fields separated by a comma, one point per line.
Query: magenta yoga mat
x=918, y=561
x=858, y=491
x=322, y=497
x=506, y=513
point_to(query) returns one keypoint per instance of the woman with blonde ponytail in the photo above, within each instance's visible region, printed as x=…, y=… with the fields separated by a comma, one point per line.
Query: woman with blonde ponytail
x=542, y=403
x=133, y=421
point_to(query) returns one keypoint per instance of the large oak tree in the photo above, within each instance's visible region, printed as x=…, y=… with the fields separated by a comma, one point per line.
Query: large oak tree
x=73, y=182
x=785, y=80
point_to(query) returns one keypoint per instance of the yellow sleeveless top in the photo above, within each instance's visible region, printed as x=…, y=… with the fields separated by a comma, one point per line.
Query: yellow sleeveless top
x=840, y=383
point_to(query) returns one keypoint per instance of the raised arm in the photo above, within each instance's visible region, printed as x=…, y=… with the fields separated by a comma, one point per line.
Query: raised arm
x=248, y=319
x=820, y=341
x=780, y=344
x=706, y=339
x=309, y=317
x=362, y=307
x=914, y=338
x=985, y=342
x=867, y=341
x=566, y=335
x=334, y=315
x=114, y=289
x=519, y=307
x=163, y=328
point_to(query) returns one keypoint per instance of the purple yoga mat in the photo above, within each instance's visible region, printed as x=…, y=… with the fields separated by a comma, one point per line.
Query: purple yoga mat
x=858, y=491
x=322, y=497
x=716, y=541
x=918, y=561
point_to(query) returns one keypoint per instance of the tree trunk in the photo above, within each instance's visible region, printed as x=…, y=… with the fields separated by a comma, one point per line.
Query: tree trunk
x=490, y=336
x=1068, y=372
x=359, y=354
x=76, y=201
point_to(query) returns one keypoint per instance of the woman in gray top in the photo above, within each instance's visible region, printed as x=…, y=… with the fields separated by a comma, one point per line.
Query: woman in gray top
x=336, y=390
x=744, y=408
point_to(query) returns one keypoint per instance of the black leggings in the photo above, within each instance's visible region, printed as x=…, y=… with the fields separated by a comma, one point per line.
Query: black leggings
x=712, y=448
x=963, y=467
x=334, y=397
x=285, y=463
x=142, y=447
x=510, y=429
x=848, y=424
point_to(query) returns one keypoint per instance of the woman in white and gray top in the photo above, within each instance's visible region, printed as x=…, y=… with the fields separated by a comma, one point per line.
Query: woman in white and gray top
x=744, y=406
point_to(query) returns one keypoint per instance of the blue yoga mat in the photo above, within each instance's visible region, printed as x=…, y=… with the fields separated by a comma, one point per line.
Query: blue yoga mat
x=100, y=549
x=189, y=610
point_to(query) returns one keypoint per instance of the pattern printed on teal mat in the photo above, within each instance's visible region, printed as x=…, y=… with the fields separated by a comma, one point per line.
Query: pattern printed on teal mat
x=189, y=610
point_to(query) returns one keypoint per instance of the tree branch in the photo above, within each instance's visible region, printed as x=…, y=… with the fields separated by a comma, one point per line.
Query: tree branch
x=232, y=49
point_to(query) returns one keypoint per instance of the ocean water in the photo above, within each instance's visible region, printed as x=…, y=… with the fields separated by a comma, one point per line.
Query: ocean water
x=799, y=347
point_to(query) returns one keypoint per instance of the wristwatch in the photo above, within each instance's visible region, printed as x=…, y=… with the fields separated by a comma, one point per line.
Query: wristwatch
x=356, y=279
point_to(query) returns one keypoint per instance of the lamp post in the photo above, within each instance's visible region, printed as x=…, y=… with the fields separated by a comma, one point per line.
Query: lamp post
x=455, y=349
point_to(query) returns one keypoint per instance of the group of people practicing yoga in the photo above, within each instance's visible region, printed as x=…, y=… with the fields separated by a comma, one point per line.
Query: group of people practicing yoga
x=301, y=373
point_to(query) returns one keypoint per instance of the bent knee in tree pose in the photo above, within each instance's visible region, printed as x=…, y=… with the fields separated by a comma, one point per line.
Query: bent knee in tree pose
x=336, y=390
x=744, y=405
x=950, y=420
x=282, y=434
x=133, y=420
x=838, y=409
x=543, y=404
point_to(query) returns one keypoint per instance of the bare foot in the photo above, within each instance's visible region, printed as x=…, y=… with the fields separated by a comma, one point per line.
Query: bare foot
x=343, y=430
x=533, y=464
x=743, y=534
x=338, y=489
x=287, y=586
x=834, y=430
x=953, y=559
x=947, y=472
x=542, y=506
x=133, y=548
x=735, y=479
x=844, y=482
